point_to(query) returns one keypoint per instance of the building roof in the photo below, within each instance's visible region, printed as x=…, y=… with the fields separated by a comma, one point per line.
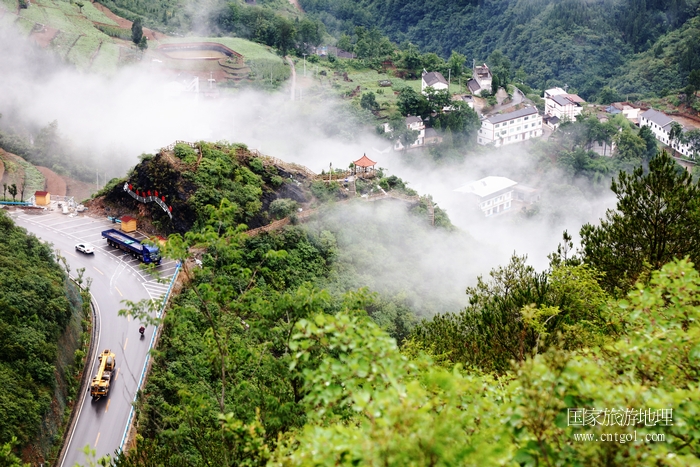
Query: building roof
x=126, y=219
x=413, y=119
x=487, y=186
x=657, y=117
x=41, y=193
x=562, y=100
x=364, y=161
x=433, y=78
x=575, y=98
x=612, y=109
x=511, y=115
x=482, y=71
x=554, y=92
x=473, y=85
x=431, y=133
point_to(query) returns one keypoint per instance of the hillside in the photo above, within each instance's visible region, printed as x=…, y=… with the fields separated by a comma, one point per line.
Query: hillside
x=40, y=345
x=582, y=44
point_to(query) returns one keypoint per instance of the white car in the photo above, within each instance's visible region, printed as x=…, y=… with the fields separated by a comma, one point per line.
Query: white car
x=85, y=248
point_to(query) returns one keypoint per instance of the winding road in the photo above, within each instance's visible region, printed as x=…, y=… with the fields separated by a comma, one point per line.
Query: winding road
x=116, y=276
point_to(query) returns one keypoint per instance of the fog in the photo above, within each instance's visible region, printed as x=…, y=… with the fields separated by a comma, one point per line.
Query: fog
x=115, y=119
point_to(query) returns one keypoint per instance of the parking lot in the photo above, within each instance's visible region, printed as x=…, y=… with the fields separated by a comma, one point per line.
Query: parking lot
x=64, y=231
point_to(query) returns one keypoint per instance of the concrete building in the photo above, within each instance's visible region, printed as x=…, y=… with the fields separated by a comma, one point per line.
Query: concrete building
x=512, y=127
x=557, y=103
x=493, y=195
x=660, y=124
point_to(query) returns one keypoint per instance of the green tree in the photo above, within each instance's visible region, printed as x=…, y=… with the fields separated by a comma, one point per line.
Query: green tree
x=410, y=59
x=652, y=145
x=143, y=43
x=692, y=138
x=13, y=191
x=676, y=136
x=411, y=102
x=630, y=147
x=345, y=43
x=656, y=220
x=456, y=64
x=369, y=101
x=136, y=31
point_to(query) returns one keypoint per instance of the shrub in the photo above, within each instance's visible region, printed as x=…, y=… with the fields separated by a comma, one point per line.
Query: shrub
x=283, y=207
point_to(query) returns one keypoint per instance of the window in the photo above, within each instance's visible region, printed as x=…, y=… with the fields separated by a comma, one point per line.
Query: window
x=504, y=132
x=507, y=206
x=526, y=118
x=497, y=125
x=517, y=129
x=512, y=130
x=512, y=122
x=480, y=140
x=519, y=120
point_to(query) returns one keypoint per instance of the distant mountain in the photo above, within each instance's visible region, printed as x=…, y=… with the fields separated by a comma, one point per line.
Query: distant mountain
x=583, y=43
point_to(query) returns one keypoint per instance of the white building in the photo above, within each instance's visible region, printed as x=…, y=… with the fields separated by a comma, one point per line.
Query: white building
x=660, y=125
x=494, y=195
x=434, y=79
x=557, y=103
x=512, y=127
x=426, y=136
x=481, y=80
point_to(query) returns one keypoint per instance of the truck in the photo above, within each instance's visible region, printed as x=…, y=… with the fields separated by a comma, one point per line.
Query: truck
x=100, y=382
x=145, y=253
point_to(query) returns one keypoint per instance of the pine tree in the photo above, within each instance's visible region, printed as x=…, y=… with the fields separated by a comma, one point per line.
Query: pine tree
x=656, y=220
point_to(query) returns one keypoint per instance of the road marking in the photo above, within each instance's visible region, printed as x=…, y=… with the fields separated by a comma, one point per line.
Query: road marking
x=107, y=408
x=117, y=375
x=128, y=317
x=120, y=292
x=98, y=438
x=126, y=342
x=98, y=270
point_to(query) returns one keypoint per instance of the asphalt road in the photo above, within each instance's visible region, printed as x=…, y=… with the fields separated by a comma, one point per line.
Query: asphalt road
x=116, y=277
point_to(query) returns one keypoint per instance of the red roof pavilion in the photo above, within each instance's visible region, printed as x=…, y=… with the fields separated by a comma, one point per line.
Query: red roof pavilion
x=364, y=161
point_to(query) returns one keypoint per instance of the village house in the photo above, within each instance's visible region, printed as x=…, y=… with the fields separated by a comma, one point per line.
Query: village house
x=433, y=79
x=426, y=136
x=630, y=112
x=558, y=103
x=660, y=125
x=497, y=195
x=481, y=80
x=512, y=127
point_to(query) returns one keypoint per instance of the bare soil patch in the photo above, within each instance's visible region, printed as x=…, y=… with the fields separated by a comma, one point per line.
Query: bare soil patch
x=44, y=37
x=54, y=183
x=79, y=190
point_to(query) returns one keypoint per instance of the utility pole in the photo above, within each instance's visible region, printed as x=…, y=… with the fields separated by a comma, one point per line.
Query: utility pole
x=449, y=78
x=304, y=64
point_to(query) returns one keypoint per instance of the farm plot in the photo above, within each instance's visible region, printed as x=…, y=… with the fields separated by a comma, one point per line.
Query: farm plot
x=9, y=5
x=83, y=50
x=34, y=14
x=93, y=14
x=63, y=42
x=107, y=58
x=25, y=25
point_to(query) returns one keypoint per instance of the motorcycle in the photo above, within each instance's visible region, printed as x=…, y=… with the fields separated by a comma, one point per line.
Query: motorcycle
x=142, y=329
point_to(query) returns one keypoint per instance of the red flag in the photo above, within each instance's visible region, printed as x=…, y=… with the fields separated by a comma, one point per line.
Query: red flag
x=156, y=193
x=171, y=208
x=163, y=198
x=131, y=187
x=149, y=192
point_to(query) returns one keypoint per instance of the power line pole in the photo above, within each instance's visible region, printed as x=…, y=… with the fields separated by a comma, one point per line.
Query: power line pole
x=304, y=64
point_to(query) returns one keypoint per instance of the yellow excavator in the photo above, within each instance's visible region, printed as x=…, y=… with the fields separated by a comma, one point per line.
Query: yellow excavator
x=100, y=383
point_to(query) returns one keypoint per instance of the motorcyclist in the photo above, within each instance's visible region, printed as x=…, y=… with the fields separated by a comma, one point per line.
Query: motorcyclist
x=142, y=329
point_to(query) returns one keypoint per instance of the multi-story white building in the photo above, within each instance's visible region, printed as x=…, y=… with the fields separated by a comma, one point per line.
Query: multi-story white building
x=512, y=127
x=557, y=103
x=660, y=125
x=494, y=195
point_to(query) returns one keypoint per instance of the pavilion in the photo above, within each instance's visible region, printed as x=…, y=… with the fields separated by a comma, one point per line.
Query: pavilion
x=364, y=166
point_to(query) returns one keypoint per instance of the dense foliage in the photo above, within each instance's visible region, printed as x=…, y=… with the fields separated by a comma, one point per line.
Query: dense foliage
x=34, y=312
x=584, y=44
